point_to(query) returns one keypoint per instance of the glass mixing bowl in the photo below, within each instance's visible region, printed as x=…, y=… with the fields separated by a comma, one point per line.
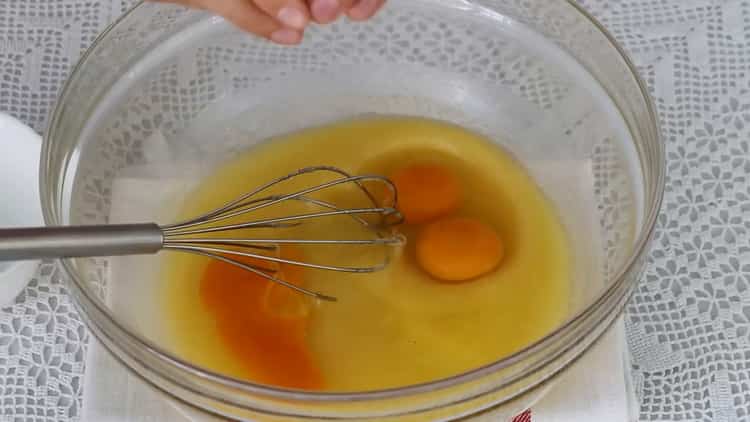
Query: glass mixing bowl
x=166, y=93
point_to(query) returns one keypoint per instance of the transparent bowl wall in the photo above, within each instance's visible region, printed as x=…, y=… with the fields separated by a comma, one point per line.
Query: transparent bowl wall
x=541, y=78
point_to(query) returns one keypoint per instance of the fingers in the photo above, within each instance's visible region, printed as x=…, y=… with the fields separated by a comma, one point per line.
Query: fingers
x=364, y=9
x=249, y=17
x=325, y=11
x=290, y=13
x=284, y=21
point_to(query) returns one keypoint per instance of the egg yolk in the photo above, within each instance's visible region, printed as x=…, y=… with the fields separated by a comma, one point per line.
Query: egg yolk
x=458, y=249
x=262, y=323
x=426, y=192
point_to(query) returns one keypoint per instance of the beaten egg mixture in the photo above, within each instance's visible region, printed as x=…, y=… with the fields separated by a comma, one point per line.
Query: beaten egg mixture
x=485, y=270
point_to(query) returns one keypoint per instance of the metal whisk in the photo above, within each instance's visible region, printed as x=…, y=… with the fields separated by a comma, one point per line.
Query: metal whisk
x=232, y=219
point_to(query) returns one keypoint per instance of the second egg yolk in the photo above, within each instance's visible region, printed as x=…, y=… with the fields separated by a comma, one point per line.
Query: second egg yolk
x=458, y=249
x=426, y=192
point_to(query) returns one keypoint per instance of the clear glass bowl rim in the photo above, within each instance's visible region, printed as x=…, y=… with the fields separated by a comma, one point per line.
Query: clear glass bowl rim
x=91, y=300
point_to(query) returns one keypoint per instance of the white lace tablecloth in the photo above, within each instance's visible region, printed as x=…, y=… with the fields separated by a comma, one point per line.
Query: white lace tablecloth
x=688, y=327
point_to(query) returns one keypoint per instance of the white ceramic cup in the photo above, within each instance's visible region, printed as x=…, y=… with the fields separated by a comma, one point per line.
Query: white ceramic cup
x=19, y=197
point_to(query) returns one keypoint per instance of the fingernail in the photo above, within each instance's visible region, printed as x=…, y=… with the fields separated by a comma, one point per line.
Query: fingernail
x=362, y=10
x=286, y=36
x=292, y=17
x=325, y=11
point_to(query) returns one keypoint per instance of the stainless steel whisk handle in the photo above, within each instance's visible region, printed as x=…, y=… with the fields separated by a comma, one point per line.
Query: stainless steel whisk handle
x=24, y=243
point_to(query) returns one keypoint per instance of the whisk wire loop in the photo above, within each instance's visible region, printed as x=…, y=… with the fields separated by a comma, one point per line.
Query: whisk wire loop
x=186, y=236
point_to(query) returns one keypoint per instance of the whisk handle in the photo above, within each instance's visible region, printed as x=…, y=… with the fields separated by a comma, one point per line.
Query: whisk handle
x=79, y=241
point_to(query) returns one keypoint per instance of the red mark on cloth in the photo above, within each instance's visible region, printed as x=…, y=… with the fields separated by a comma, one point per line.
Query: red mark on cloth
x=523, y=417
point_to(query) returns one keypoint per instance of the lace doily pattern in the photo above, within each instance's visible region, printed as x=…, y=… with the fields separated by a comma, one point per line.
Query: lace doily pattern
x=689, y=322
x=42, y=339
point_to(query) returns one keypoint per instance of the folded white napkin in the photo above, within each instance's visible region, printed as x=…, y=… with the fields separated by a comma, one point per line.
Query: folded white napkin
x=593, y=390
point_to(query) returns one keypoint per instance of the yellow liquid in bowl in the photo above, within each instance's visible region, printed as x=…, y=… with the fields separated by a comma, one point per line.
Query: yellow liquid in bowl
x=400, y=326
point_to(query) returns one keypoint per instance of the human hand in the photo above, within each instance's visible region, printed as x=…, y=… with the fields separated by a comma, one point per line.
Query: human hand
x=284, y=21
